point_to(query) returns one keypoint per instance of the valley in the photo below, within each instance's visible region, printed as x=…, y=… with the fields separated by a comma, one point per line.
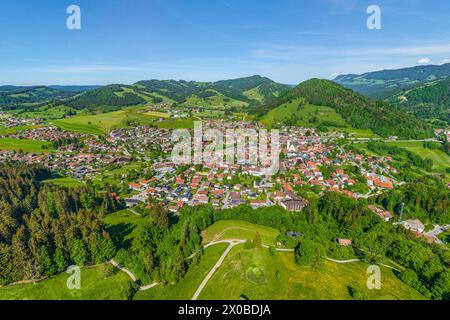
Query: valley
x=361, y=183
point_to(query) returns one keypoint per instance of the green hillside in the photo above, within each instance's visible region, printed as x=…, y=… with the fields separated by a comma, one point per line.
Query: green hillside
x=11, y=97
x=385, y=83
x=355, y=109
x=108, y=98
x=429, y=102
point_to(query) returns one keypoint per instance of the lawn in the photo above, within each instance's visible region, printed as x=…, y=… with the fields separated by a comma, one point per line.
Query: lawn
x=235, y=229
x=65, y=182
x=258, y=275
x=124, y=226
x=30, y=146
x=94, y=286
x=185, y=289
x=440, y=159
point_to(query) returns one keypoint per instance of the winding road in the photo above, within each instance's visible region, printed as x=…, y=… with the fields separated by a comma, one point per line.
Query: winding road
x=232, y=243
x=132, y=276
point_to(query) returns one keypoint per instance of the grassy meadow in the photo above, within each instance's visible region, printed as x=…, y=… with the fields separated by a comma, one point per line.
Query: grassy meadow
x=29, y=146
x=94, y=286
x=65, y=182
x=441, y=160
x=124, y=226
x=241, y=230
x=257, y=274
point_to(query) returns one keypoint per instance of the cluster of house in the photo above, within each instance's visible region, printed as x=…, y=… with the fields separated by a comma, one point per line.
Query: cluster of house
x=47, y=134
x=78, y=165
x=305, y=155
x=141, y=139
x=10, y=122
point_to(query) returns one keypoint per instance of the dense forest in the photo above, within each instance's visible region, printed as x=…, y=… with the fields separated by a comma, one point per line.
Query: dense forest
x=426, y=199
x=112, y=96
x=162, y=252
x=11, y=97
x=427, y=102
x=359, y=111
x=45, y=228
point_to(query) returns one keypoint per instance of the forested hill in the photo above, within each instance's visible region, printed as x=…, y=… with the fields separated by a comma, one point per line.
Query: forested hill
x=11, y=96
x=106, y=98
x=45, y=228
x=237, y=93
x=430, y=101
x=385, y=83
x=357, y=110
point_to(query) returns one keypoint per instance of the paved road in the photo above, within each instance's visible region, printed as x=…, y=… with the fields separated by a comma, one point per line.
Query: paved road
x=344, y=261
x=134, y=212
x=232, y=243
x=128, y=272
x=132, y=276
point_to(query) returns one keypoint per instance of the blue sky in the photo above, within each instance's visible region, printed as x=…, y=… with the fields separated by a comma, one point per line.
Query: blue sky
x=123, y=41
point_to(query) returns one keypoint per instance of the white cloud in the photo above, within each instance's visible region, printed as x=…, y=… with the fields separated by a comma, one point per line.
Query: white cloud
x=424, y=61
x=446, y=61
x=334, y=75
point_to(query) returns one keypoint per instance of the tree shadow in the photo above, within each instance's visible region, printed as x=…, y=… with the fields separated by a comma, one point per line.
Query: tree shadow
x=119, y=232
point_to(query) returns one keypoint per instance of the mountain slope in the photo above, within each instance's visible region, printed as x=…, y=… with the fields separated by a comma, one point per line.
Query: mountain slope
x=107, y=98
x=357, y=110
x=11, y=96
x=385, y=83
x=431, y=101
x=236, y=93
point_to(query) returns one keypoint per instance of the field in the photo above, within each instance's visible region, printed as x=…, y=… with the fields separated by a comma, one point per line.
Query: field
x=256, y=274
x=65, y=182
x=99, y=124
x=94, y=286
x=102, y=123
x=441, y=160
x=185, y=289
x=233, y=229
x=30, y=146
x=124, y=226
x=157, y=114
x=15, y=130
x=176, y=124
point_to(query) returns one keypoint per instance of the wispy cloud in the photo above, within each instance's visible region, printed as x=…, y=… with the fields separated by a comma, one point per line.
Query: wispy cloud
x=296, y=53
x=78, y=69
x=424, y=61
